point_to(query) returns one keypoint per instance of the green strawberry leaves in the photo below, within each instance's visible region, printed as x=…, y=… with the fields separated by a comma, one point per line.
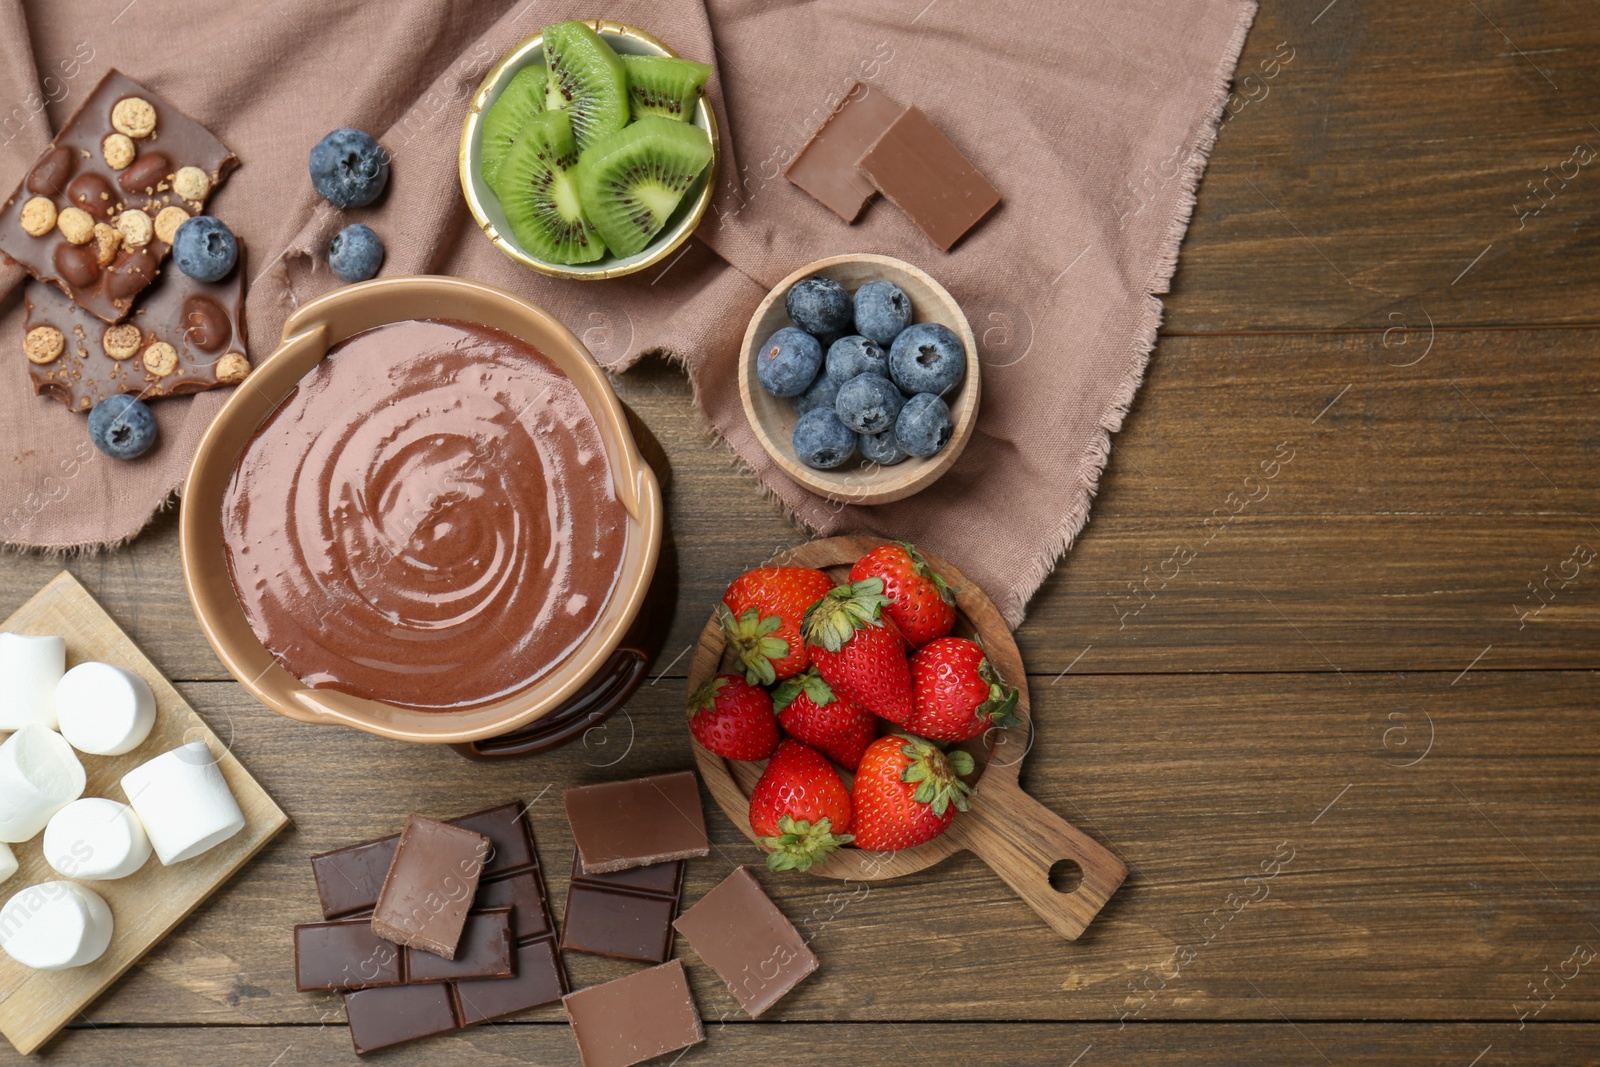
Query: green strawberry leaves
x=810, y=683
x=751, y=638
x=800, y=843
x=937, y=774
x=833, y=620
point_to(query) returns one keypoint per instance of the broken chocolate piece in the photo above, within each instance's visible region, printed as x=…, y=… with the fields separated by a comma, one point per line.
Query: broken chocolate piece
x=202, y=322
x=430, y=886
x=740, y=933
x=826, y=166
x=928, y=178
x=637, y=823
x=627, y=915
x=346, y=955
x=382, y=1018
x=74, y=173
x=633, y=1019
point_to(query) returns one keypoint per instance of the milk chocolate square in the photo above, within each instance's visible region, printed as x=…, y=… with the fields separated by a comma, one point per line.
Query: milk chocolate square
x=826, y=166
x=633, y=1019
x=928, y=178
x=183, y=337
x=637, y=823
x=76, y=173
x=741, y=934
x=430, y=886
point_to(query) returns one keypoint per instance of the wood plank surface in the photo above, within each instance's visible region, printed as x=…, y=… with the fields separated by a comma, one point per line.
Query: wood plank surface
x=1373, y=152
x=1274, y=832
x=1015, y=1045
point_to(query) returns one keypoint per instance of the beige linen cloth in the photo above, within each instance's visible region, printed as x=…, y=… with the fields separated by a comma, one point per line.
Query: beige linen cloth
x=1092, y=117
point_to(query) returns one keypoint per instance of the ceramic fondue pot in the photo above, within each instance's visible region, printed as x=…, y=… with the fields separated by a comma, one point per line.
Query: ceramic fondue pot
x=603, y=659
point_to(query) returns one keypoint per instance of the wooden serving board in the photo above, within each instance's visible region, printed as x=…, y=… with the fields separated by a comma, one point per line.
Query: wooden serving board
x=147, y=905
x=1029, y=846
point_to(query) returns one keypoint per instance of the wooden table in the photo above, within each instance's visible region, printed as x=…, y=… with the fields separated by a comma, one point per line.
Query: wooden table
x=1365, y=681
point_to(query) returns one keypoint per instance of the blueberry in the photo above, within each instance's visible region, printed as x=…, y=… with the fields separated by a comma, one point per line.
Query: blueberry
x=882, y=310
x=924, y=425
x=927, y=358
x=349, y=168
x=868, y=403
x=819, y=305
x=122, y=427
x=205, y=249
x=822, y=394
x=852, y=355
x=881, y=448
x=788, y=363
x=822, y=441
x=355, y=253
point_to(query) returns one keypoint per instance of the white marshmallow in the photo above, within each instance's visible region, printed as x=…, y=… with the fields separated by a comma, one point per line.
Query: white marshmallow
x=97, y=840
x=104, y=710
x=55, y=925
x=8, y=862
x=30, y=667
x=39, y=775
x=184, y=802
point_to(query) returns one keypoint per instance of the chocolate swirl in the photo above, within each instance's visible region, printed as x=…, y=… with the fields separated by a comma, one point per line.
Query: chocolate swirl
x=429, y=520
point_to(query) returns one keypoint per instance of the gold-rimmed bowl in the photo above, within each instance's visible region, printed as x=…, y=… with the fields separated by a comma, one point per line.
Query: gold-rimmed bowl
x=485, y=206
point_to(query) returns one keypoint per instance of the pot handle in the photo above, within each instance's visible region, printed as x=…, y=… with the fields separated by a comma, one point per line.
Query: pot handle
x=590, y=706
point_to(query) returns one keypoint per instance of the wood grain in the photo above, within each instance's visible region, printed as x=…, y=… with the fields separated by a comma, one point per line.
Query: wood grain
x=148, y=904
x=733, y=1041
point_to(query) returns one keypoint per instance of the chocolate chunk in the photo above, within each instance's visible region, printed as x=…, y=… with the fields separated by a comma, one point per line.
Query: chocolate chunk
x=50, y=175
x=170, y=312
x=928, y=178
x=742, y=935
x=77, y=264
x=430, y=886
x=345, y=954
x=626, y=915
x=637, y=823
x=145, y=173
x=73, y=172
x=205, y=323
x=381, y=1018
x=94, y=194
x=633, y=1019
x=826, y=166
x=350, y=879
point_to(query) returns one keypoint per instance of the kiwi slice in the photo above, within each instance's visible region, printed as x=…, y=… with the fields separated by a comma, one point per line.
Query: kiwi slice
x=661, y=85
x=539, y=195
x=586, y=79
x=632, y=181
x=519, y=101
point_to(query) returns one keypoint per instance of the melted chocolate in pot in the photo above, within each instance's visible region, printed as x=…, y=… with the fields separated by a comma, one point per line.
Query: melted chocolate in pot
x=428, y=520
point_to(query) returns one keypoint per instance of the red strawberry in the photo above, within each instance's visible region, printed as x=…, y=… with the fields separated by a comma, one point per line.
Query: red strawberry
x=799, y=809
x=958, y=692
x=762, y=610
x=907, y=792
x=811, y=713
x=920, y=602
x=734, y=719
x=858, y=652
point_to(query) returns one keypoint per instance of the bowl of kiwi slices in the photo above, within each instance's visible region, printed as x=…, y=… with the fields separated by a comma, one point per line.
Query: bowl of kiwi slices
x=590, y=150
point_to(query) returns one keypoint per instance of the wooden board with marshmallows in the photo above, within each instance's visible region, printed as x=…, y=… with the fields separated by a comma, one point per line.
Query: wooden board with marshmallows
x=120, y=810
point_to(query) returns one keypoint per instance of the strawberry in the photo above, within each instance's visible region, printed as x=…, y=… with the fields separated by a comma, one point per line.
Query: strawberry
x=799, y=808
x=958, y=692
x=920, y=602
x=762, y=610
x=811, y=713
x=858, y=652
x=907, y=792
x=734, y=719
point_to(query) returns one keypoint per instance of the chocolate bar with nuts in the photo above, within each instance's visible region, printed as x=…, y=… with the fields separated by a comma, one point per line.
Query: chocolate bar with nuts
x=97, y=212
x=184, y=337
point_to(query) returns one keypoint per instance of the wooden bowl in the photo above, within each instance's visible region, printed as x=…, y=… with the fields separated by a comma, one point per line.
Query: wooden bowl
x=860, y=481
x=1022, y=840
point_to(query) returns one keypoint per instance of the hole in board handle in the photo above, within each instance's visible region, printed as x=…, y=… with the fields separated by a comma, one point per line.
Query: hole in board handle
x=1065, y=876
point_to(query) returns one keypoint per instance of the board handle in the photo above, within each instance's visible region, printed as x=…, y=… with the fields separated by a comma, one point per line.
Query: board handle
x=1022, y=840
